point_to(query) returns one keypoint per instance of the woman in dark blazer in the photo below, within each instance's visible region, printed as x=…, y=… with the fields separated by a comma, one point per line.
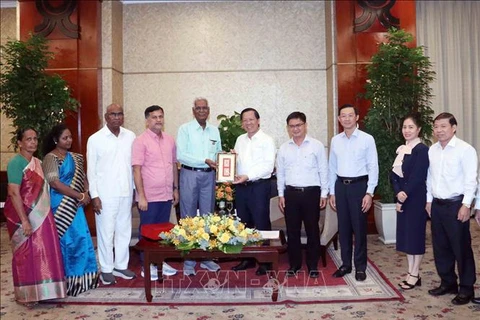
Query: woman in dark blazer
x=409, y=175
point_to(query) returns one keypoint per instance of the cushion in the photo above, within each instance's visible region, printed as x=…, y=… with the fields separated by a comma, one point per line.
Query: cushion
x=151, y=231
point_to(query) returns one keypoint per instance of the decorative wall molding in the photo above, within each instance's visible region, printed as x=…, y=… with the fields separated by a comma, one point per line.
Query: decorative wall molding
x=376, y=9
x=57, y=16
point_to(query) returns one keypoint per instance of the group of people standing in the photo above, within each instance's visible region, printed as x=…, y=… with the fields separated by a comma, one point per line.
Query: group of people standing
x=45, y=216
x=441, y=182
x=53, y=253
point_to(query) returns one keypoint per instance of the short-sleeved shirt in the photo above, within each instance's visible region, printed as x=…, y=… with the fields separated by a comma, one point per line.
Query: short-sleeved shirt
x=15, y=169
x=157, y=157
x=195, y=144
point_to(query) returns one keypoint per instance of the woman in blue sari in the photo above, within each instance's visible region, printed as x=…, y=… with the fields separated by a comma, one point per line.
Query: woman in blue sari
x=69, y=194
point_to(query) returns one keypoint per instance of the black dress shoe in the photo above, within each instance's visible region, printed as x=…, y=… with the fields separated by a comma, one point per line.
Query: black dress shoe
x=462, y=298
x=341, y=272
x=314, y=274
x=440, y=291
x=360, y=275
x=476, y=300
x=292, y=272
x=245, y=264
x=262, y=270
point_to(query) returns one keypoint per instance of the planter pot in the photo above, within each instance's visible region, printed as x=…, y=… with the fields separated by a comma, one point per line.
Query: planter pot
x=386, y=221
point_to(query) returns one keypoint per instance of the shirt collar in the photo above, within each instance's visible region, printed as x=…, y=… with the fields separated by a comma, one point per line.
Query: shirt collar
x=307, y=139
x=354, y=134
x=453, y=142
x=152, y=134
x=199, y=127
x=256, y=135
x=107, y=131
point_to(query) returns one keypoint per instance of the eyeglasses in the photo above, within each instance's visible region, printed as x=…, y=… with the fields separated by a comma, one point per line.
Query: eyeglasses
x=116, y=114
x=296, y=126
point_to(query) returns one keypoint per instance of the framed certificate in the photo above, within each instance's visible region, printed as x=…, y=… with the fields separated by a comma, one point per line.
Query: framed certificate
x=227, y=165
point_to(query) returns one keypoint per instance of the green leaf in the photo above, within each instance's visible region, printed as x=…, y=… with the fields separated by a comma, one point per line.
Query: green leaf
x=398, y=84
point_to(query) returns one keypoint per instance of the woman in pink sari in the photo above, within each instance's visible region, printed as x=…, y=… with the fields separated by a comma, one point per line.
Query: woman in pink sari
x=37, y=266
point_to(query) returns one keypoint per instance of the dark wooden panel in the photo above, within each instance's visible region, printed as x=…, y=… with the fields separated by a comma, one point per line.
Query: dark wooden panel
x=72, y=58
x=354, y=51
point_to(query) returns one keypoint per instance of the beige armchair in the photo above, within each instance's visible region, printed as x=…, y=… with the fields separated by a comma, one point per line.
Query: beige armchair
x=328, y=227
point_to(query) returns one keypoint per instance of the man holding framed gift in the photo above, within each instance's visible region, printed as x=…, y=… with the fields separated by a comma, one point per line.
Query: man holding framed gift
x=198, y=143
x=255, y=162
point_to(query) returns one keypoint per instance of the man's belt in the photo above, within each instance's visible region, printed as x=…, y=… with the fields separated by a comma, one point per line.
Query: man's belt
x=350, y=180
x=301, y=189
x=251, y=183
x=197, y=169
x=448, y=201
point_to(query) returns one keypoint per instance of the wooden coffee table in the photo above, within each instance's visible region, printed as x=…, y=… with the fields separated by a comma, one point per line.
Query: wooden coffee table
x=154, y=252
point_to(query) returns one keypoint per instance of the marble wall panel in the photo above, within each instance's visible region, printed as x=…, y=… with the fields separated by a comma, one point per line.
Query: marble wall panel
x=213, y=36
x=273, y=93
x=8, y=31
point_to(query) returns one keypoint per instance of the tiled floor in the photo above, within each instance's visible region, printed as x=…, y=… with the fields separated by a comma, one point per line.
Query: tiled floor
x=417, y=305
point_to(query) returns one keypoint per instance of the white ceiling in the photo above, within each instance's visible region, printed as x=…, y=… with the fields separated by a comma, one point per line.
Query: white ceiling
x=8, y=3
x=13, y=3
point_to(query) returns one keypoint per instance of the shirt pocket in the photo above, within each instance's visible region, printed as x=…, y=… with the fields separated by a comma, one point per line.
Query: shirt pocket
x=309, y=160
x=361, y=154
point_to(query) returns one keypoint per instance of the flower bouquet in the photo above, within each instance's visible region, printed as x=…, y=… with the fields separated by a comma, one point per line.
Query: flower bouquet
x=224, y=191
x=209, y=232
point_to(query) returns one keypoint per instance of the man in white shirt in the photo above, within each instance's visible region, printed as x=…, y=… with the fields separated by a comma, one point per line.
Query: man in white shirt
x=255, y=162
x=109, y=153
x=302, y=183
x=353, y=176
x=451, y=186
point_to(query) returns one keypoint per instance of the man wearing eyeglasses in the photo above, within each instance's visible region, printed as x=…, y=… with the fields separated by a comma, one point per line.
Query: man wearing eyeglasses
x=353, y=176
x=198, y=143
x=109, y=153
x=302, y=182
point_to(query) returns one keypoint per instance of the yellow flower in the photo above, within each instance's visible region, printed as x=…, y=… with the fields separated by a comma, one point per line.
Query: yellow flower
x=224, y=238
x=214, y=229
x=205, y=236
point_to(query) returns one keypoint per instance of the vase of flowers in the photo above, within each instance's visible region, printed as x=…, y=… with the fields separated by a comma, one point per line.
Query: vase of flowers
x=211, y=232
x=224, y=196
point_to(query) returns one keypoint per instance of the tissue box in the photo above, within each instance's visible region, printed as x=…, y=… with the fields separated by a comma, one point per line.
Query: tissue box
x=151, y=231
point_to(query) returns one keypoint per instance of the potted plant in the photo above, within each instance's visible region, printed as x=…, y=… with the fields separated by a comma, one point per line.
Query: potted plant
x=398, y=83
x=29, y=95
x=230, y=128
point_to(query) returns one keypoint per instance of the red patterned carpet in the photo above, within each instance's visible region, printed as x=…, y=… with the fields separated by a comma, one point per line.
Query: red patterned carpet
x=229, y=287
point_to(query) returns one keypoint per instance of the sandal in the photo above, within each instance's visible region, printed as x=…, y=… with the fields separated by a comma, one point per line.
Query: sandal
x=404, y=281
x=409, y=286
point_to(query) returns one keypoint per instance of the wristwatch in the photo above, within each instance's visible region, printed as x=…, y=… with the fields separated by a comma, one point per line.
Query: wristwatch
x=370, y=194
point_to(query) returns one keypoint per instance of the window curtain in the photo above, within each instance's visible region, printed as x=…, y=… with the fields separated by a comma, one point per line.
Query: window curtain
x=450, y=31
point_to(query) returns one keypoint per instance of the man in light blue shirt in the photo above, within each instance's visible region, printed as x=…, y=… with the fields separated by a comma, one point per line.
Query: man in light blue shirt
x=302, y=183
x=198, y=143
x=353, y=176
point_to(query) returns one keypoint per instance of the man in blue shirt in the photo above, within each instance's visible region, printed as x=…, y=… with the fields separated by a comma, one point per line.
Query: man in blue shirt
x=353, y=176
x=198, y=143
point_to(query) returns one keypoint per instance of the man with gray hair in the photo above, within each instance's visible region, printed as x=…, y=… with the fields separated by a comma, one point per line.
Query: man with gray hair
x=198, y=143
